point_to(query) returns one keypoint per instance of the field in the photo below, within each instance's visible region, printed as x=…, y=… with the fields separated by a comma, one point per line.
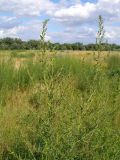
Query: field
x=63, y=106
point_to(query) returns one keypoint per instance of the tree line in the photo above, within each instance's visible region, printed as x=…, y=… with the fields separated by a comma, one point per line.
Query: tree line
x=18, y=44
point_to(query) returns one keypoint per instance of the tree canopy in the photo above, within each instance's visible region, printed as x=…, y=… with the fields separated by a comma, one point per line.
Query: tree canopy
x=18, y=44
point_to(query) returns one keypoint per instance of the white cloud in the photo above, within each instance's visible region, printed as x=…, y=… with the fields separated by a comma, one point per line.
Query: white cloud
x=113, y=33
x=26, y=7
x=87, y=12
x=12, y=32
x=76, y=11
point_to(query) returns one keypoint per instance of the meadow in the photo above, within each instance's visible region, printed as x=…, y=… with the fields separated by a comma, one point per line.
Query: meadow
x=60, y=106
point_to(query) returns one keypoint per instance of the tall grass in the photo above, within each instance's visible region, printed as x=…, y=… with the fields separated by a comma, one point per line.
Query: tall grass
x=114, y=65
x=72, y=115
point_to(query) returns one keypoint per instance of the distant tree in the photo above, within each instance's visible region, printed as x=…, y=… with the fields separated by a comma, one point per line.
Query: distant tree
x=18, y=44
x=33, y=44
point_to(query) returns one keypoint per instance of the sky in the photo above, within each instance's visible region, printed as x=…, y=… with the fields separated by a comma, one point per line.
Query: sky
x=69, y=20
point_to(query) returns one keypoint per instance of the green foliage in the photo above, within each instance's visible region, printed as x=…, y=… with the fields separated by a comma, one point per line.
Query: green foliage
x=71, y=113
x=84, y=73
x=17, y=44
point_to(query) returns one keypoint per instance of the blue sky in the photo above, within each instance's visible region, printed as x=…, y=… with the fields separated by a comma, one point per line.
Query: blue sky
x=70, y=20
